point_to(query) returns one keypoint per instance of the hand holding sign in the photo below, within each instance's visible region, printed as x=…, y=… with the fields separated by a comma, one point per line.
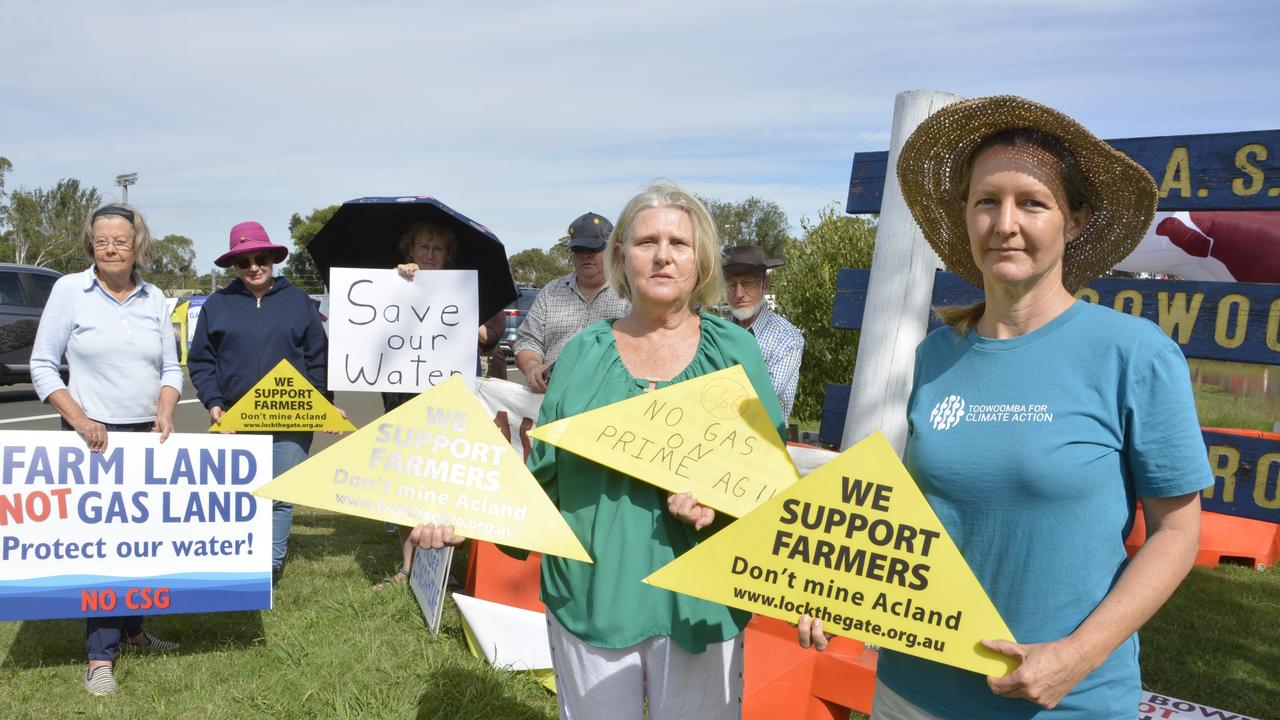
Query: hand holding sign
x=283, y=400
x=709, y=436
x=856, y=546
x=439, y=463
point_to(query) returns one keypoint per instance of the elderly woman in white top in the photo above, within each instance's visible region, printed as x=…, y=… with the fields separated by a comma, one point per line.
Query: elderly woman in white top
x=119, y=343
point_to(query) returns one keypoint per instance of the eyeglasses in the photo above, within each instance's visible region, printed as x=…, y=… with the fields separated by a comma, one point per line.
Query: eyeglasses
x=578, y=250
x=748, y=284
x=244, y=263
x=119, y=243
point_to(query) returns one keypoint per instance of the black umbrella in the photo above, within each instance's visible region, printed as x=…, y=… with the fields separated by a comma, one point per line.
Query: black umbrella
x=365, y=233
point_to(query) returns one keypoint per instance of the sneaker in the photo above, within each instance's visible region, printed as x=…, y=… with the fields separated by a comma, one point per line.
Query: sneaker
x=152, y=644
x=276, y=574
x=100, y=680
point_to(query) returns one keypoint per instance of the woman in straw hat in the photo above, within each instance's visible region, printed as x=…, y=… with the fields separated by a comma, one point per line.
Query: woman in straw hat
x=1037, y=419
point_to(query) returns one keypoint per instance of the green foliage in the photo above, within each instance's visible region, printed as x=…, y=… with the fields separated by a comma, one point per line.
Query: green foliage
x=538, y=267
x=804, y=290
x=172, y=266
x=754, y=221
x=44, y=225
x=299, y=268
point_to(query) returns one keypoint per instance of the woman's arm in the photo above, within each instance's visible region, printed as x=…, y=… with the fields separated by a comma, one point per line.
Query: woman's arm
x=164, y=411
x=491, y=331
x=93, y=432
x=1050, y=670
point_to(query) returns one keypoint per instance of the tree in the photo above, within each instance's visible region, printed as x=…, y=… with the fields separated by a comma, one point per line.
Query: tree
x=538, y=267
x=754, y=221
x=804, y=289
x=44, y=225
x=5, y=167
x=172, y=266
x=299, y=268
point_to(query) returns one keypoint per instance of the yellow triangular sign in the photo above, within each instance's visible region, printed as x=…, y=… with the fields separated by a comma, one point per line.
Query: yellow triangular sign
x=283, y=400
x=856, y=544
x=710, y=435
x=440, y=459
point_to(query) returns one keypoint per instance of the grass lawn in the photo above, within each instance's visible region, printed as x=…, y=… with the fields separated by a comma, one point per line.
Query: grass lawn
x=332, y=648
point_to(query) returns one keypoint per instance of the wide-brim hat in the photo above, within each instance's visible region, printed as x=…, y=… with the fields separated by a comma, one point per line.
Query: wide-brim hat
x=249, y=237
x=935, y=159
x=747, y=258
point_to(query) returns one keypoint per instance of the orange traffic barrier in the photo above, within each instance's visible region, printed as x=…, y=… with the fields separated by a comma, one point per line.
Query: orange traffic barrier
x=1224, y=539
x=495, y=576
x=781, y=680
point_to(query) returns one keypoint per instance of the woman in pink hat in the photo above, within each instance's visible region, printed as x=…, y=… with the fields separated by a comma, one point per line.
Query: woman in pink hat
x=245, y=330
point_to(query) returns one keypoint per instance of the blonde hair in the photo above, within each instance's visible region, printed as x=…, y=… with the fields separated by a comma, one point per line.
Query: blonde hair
x=141, y=233
x=432, y=231
x=709, y=289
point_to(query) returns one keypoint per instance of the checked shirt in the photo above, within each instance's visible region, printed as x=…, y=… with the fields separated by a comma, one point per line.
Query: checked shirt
x=560, y=311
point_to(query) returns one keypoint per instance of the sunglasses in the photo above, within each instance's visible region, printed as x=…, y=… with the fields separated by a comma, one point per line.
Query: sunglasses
x=244, y=263
x=578, y=250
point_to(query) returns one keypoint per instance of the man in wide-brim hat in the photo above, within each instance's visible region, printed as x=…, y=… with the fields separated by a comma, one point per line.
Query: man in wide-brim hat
x=746, y=276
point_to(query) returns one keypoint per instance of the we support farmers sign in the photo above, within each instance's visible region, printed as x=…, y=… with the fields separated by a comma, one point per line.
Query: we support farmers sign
x=142, y=528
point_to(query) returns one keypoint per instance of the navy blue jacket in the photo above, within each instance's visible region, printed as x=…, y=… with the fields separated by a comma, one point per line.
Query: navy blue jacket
x=238, y=340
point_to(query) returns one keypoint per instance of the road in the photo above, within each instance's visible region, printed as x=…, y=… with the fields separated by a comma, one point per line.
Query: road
x=21, y=410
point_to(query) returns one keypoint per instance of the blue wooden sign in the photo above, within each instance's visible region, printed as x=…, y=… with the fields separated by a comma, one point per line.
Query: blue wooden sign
x=1246, y=476
x=1220, y=171
x=1239, y=322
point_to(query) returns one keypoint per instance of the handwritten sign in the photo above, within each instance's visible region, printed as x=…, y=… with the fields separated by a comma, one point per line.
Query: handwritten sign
x=439, y=459
x=856, y=545
x=428, y=578
x=283, y=400
x=710, y=436
x=1219, y=171
x=143, y=528
x=392, y=335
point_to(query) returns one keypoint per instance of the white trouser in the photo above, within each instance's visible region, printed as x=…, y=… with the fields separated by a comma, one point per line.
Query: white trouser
x=889, y=705
x=594, y=682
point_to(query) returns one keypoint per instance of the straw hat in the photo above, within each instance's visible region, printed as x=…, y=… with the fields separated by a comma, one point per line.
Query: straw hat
x=934, y=160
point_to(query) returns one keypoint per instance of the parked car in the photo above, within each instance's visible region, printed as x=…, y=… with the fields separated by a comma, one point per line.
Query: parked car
x=24, y=289
x=515, y=313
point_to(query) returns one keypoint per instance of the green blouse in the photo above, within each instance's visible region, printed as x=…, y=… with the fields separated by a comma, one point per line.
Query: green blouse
x=624, y=523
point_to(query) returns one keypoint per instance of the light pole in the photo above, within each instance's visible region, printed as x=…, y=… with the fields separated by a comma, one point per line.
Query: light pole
x=125, y=181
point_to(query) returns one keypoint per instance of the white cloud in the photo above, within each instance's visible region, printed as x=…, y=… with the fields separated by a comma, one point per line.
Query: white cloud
x=524, y=115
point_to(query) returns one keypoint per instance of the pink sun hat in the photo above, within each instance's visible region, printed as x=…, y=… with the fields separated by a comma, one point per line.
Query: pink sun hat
x=248, y=237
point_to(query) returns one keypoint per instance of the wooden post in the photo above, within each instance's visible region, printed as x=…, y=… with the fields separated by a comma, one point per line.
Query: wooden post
x=901, y=286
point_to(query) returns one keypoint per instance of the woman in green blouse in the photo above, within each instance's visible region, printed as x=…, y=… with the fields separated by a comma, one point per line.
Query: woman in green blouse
x=614, y=640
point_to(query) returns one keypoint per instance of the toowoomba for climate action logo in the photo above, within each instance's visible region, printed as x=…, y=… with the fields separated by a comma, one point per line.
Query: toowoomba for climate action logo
x=953, y=409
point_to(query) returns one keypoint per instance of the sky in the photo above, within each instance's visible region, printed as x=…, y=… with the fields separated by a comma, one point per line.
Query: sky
x=525, y=115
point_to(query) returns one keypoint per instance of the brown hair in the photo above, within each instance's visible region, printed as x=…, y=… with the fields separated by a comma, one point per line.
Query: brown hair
x=430, y=230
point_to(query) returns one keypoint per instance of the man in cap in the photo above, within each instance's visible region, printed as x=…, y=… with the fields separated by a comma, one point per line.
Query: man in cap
x=747, y=281
x=569, y=303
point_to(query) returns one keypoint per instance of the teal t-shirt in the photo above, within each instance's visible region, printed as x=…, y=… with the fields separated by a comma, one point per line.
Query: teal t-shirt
x=1032, y=451
x=623, y=523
